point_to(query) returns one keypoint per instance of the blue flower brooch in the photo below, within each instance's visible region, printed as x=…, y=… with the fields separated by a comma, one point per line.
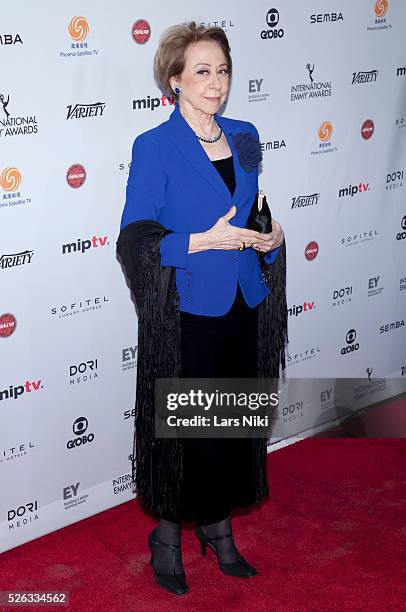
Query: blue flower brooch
x=248, y=149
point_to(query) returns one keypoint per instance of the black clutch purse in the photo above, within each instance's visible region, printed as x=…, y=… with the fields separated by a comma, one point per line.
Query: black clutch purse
x=260, y=218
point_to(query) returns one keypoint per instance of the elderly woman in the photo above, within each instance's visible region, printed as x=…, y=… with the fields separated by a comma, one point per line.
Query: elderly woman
x=183, y=236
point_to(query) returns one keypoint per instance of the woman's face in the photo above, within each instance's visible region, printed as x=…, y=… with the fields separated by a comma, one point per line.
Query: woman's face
x=204, y=81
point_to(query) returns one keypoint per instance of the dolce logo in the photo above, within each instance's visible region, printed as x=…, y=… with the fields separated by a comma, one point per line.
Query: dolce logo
x=22, y=510
x=272, y=19
x=350, y=339
x=79, y=429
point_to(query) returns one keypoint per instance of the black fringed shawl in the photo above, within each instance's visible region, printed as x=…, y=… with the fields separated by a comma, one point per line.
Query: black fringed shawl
x=157, y=462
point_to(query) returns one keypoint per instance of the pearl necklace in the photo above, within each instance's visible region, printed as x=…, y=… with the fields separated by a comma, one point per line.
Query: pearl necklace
x=215, y=138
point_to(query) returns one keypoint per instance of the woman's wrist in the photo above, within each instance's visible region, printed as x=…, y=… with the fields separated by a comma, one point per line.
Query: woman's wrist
x=199, y=241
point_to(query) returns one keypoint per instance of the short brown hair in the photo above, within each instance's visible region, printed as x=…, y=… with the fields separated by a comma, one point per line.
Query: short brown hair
x=169, y=59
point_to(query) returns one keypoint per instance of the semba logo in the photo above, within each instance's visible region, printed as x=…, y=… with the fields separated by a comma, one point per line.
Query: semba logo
x=15, y=391
x=81, y=246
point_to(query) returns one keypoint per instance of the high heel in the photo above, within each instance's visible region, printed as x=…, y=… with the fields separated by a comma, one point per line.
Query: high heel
x=175, y=583
x=239, y=568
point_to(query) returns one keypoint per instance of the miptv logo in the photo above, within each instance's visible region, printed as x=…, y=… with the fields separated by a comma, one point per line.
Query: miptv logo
x=78, y=28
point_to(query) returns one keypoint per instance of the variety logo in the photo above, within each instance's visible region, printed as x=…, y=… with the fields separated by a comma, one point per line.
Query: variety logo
x=391, y=326
x=10, y=39
x=83, y=372
x=305, y=200
x=255, y=93
x=81, y=246
x=129, y=358
x=342, y=296
x=15, y=125
x=369, y=76
x=153, y=103
x=297, y=310
x=367, y=129
x=272, y=20
x=83, y=111
x=311, y=251
x=402, y=235
x=141, y=31
x=15, y=259
x=19, y=450
x=14, y=392
x=394, y=180
x=313, y=89
x=352, y=190
x=374, y=286
x=361, y=238
x=80, y=427
x=351, y=344
x=8, y=325
x=326, y=17
x=401, y=71
x=76, y=176
x=74, y=308
x=324, y=133
x=271, y=145
x=24, y=514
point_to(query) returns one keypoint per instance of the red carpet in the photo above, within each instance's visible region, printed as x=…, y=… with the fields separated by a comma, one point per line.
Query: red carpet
x=331, y=537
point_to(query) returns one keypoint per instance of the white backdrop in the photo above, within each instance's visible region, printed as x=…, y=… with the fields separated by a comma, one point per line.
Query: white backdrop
x=324, y=82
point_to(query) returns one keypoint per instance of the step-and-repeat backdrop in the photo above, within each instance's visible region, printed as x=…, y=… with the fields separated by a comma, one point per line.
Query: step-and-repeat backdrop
x=324, y=82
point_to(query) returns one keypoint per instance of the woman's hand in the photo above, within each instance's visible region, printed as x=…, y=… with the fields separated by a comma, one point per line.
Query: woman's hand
x=268, y=242
x=223, y=235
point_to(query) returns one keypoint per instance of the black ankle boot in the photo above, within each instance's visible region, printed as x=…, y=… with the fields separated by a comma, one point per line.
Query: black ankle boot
x=164, y=559
x=239, y=568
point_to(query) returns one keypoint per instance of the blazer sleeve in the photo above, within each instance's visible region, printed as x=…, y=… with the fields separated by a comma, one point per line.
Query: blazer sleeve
x=272, y=255
x=145, y=198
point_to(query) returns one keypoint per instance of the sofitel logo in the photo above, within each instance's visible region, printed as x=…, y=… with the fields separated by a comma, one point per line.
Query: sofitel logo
x=362, y=237
x=74, y=308
x=301, y=356
x=272, y=20
x=83, y=111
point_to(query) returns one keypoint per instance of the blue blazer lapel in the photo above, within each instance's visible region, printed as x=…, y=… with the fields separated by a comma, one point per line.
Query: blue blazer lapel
x=184, y=138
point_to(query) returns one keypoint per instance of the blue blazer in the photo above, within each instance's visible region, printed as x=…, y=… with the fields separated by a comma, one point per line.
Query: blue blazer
x=173, y=181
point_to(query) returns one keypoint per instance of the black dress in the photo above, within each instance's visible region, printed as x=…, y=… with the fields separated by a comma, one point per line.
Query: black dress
x=218, y=472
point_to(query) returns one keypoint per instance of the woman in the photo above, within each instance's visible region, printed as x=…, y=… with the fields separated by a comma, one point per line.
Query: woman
x=190, y=189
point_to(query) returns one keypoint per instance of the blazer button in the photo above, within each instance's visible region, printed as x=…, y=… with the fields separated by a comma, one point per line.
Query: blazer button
x=188, y=297
x=234, y=256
